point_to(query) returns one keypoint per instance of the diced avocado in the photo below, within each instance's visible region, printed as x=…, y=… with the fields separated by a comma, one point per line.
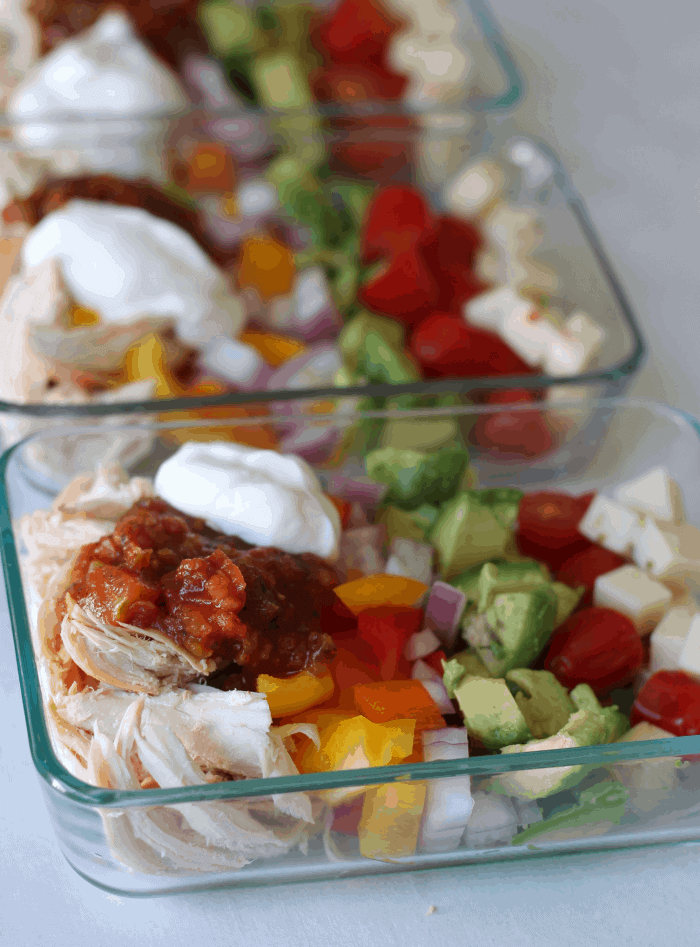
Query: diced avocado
x=415, y=478
x=405, y=524
x=504, y=502
x=613, y=724
x=467, y=533
x=381, y=363
x=600, y=806
x=544, y=703
x=421, y=434
x=567, y=600
x=468, y=582
x=510, y=577
x=356, y=198
x=538, y=783
x=490, y=712
x=466, y=664
x=513, y=630
x=227, y=26
x=282, y=82
x=352, y=337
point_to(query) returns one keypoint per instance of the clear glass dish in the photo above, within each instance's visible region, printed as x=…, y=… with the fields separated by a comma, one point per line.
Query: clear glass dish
x=410, y=145
x=654, y=797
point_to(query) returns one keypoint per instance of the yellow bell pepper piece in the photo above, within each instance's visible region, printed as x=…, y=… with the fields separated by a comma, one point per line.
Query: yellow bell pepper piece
x=80, y=316
x=147, y=360
x=275, y=349
x=289, y=695
x=229, y=206
x=266, y=265
x=355, y=743
x=390, y=823
x=374, y=590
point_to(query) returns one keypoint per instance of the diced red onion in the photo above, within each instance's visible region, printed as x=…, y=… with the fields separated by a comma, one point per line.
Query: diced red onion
x=448, y=802
x=316, y=368
x=421, y=644
x=444, y=611
x=358, y=516
x=410, y=559
x=360, y=549
x=245, y=135
x=438, y=692
x=420, y=671
x=493, y=821
x=360, y=490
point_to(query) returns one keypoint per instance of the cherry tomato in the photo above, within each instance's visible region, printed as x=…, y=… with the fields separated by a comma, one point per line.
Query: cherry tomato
x=518, y=432
x=670, y=700
x=595, y=646
x=548, y=526
x=446, y=346
x=396, y=219
x=357, y=31
x=449, y=251
x=583, y=568
x=386, y=629
x=404, y=290
x=355, y=83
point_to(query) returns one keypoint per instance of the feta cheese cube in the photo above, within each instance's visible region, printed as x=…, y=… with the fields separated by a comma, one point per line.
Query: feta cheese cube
x=668, y=638
x=587, y=331
x=529, y=334
x=631, y=592
x=475, y=188
x=514, y=230
x=565, y=357
x=490, y=310
x=611, y=525
x=655, y=495
x=671, y=554
x=529, y=277
x=689, y=660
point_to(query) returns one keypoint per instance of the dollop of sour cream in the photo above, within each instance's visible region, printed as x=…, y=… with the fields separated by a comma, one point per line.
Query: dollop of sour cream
x=265, y=498
x=104, y=73
x=127, y=264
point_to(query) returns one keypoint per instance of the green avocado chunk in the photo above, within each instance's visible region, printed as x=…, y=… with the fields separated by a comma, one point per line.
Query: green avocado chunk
x=613, y=724
x=510, y=577
x=513, y=630
x=405, y=524
x=602, y=804
x=567, y=600
x=354, y=333
x=490, y=712
x=544, y=703
x=474, y=527
x=415, y=478
x=466, y=664
x=228, y=27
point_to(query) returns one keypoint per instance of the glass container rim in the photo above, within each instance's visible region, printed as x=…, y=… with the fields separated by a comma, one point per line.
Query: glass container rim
x=71, y=787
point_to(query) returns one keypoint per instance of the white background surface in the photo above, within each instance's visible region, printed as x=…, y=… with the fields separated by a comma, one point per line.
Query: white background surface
x=616, y=87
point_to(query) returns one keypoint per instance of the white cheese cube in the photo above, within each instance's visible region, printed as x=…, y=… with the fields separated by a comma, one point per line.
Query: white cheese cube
x=671, y=554
x=529, y=334
x=631, y=592
x=565, y=357
x=490, y=310
x=668, y=638
x=655, y=495
x=587, y=331
x=421, y=644
x=530, y=278
x=610, y=524
x=413, y=560
x=689, y=660
x=474, y=188
x=514, y=230
x=650, y=781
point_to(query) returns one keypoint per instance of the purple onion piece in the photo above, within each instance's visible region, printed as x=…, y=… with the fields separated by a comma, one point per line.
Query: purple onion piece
x=316, y=368
x=444, y=611
x=357, y=489
x=313, y=444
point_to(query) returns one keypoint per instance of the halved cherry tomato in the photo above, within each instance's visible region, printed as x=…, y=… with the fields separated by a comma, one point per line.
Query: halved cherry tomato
x=518, y=432
x=670, y=700
x=446, y=346
x=548, y=526
x=584, y=567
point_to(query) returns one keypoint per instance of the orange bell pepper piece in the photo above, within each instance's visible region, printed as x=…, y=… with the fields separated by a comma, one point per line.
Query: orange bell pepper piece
x=147, y=359
x=343, y=507
x=210, y=169
x=253, y=435
x=374, y=590
x=267, y=266
x=275, y=349
x=290, y=695
x=390, y=821
x=384, y=701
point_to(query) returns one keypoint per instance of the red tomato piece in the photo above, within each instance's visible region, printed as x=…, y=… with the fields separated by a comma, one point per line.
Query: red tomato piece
x=548, y=526
x=584, y=567
x=354, y=663
x=435, y=660
x=595, y=646
x=397, y=217
x=354, y=83
x=337, y=620
x=404, y=290
x=356, y=31
x=518, y=432
x=377, y=147
x=449, y=251
x=670, y=700
x=386, y=629
x=446, y=346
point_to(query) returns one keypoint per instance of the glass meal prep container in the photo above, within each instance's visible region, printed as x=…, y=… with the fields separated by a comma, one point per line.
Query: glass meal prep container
x=275, y=192
x=300, y=827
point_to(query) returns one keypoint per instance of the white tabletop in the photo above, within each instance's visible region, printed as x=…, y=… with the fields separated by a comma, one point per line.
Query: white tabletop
x=616, y=90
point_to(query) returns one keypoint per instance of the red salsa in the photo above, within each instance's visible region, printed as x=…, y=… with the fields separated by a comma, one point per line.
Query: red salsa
x=253, y=609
